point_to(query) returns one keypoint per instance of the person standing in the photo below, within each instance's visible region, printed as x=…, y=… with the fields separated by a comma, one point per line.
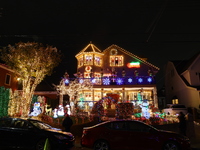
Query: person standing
x=182, y=123
x=67, y=123
x=190, y=124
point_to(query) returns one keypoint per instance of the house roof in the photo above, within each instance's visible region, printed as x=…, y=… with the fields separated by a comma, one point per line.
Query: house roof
x=89, y=48
x=183, y=65
x=131, y=55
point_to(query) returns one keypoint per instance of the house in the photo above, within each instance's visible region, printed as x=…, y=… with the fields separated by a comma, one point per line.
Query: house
x=182, y=82
x=117, y=72
x=8, y=78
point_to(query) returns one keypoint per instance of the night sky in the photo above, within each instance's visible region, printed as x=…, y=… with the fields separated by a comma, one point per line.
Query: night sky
x=160, y=30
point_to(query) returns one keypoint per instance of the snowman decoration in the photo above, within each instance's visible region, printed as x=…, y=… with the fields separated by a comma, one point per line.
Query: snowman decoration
x=36, y=109
x=145, y=109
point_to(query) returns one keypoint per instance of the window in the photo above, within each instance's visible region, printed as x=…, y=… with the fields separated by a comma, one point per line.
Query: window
x=88, y=60
x=97, y=61
x=116, y=61
x=175, y=101
x=118, y=126
x=8, y=78
x=138, y=127
x=88, y=96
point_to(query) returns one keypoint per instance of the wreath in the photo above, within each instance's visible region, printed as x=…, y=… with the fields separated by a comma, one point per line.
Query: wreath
x=113, y=52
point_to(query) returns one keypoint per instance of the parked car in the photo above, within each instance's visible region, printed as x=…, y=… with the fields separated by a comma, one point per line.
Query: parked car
x=16, y=133
x=175, y=109
x=131, y=134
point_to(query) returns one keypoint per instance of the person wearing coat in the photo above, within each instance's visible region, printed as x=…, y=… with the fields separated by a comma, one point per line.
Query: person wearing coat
x=67, y=123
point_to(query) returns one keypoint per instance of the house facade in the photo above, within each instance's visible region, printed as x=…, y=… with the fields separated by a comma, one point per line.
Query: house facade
x=182, y=82
x=8, y=79
x=117, y=72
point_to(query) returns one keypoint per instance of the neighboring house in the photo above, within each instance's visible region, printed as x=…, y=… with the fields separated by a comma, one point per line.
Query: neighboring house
x=116, y=71
x=8, y=79
x=182, y=82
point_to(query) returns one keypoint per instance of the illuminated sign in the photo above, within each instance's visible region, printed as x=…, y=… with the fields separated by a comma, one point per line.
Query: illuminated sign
x=133, y=65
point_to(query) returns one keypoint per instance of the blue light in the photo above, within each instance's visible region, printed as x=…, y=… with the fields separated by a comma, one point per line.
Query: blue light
x=130, y=80
x=66, y=81
x=119, y=81
x=81, y=81
x=149, y=79
x=140, y=80
x=93, y=80
x=106, y=81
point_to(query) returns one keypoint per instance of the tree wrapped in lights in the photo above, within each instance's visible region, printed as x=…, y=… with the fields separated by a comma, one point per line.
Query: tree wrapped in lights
x=15, y=104
x=73, y=90
x=32, y=62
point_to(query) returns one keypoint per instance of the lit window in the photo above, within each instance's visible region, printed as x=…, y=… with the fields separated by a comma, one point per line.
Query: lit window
x=116, y=60
x=88, y=60
x=97, y=61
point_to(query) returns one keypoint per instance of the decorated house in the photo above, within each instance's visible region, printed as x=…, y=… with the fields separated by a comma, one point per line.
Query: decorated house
x=120, y=81
x=8, y=78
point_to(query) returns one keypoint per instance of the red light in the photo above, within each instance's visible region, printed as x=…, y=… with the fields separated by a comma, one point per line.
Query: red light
x=133, y=65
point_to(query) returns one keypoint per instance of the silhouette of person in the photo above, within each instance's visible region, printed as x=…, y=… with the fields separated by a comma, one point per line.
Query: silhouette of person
x=67, y=123
x=190, y=124
x=182, y=123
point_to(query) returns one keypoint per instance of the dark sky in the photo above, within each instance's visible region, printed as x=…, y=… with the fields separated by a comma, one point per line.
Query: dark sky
x=160, y=30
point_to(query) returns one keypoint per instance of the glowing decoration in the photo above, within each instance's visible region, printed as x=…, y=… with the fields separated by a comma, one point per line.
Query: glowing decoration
x=116, y=60
x=93, y=80
x=145, y=109
x=91, y=104
x=68, y=110
x=66, y=81
x=106, y=81
x=36, y=109
x=4, y=101
x=130, y=80
x=113, y=52
x=133, y=65
x=60, y=110
x=119, y=81
x=81, y=81
x=88, y=68
x=149, y=79
x=140, y=80
x=55, y=115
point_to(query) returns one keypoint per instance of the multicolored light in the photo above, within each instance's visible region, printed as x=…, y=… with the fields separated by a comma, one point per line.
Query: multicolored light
x=133, y=65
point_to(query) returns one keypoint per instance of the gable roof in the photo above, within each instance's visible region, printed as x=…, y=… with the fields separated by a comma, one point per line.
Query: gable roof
x=131, y=55
x=183, y=65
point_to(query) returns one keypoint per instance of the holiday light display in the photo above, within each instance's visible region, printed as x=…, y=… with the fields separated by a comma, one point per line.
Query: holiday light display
x=133, y=65
x=4, y=100
x=73, y=90
x=36, y=109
